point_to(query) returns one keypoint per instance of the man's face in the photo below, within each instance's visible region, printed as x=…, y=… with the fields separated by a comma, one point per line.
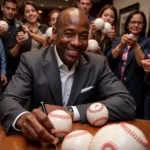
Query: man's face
x=85, y=5
x=9, y=11
x=72, y=38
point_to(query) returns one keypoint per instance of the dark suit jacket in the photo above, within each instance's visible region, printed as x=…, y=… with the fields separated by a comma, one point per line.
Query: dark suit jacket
x=133, y=74
x=38, y=78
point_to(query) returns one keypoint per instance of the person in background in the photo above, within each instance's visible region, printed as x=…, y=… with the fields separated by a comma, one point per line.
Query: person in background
x=126, y=55
x=86, y=6
x=29, y=37
x=66, y=78
x=9, y=10
x=52, y=21
x=146, y=67
x=53, y=14
x=3, y=78
x=109, y=14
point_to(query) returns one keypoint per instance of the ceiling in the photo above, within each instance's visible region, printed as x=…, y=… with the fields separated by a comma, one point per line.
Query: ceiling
x=48, y=4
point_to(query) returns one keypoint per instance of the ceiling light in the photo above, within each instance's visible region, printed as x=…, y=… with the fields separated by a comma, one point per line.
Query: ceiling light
x=40, y=11
x=42, y=5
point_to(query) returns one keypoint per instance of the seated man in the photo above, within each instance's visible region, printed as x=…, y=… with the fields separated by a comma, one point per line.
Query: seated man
x=57, y=75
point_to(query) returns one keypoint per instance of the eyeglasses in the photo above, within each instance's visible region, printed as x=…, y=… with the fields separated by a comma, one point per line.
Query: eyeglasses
x=136, y=22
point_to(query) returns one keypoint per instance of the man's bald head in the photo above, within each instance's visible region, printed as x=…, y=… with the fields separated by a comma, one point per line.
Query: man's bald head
x=71, y=33
x=74, y=13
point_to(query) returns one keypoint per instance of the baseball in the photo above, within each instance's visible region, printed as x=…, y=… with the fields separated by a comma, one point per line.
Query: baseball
x=77, y=140
x=49, y=32
x=4, y=24
x=122, y=136
x=92, y=45
x=107, y=28
x=61, y=121
x=99, y=23
x=131, y=35
x=97, y=114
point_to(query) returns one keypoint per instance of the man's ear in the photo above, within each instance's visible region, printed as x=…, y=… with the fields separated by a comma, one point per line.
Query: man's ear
x=54, y=32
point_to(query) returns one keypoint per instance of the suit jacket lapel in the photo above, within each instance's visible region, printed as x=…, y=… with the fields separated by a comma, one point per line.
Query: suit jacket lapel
x=79, y=80
x=53, y=76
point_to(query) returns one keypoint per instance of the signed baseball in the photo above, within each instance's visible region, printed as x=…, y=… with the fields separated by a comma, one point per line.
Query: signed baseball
x=49, y=32
x=97, y=114
x=92, y=45
x=122, y=136
x=61, y=121
x=77, y=140
x=107, y=28
x=99, y=23
x=4, y=24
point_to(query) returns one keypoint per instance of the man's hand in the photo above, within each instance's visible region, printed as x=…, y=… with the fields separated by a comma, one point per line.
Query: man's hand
x=146, y=64
x=21, y=36
x=49, y=41
x=97, y=51
x=4, y=79
x=2, y=30
x=37, y=126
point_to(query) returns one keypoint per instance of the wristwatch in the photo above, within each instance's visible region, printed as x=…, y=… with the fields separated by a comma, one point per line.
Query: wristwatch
x=70, y=111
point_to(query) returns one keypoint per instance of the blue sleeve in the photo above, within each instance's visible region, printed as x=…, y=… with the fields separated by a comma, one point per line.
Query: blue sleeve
x=3, y=59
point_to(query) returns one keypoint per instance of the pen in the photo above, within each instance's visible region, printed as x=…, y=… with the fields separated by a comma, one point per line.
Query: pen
x=44, y=110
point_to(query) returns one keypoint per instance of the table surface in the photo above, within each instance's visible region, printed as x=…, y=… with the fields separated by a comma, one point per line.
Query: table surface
x=19, y=142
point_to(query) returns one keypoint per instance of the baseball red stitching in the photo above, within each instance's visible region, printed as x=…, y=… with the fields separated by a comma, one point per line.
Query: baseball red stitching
x=59, y=116
x=134, y=135
x=74, y=135
x=95, y=111
x=109, y=144
x=99, y=119
x=62, y=131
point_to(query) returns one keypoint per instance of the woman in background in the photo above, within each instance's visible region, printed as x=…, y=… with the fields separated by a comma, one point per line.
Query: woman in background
x=109, y=14
x=126, y=55
x=29, y=38
x=53, y=14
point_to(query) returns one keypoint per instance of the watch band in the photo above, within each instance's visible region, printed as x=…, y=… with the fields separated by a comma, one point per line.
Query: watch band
x=70, y=111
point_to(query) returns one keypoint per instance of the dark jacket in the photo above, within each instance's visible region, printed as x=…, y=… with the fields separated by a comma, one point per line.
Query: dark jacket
x=133, y=77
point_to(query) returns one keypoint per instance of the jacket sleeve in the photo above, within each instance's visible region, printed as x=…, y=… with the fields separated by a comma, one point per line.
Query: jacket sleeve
x=116, y=98
x=16, y=95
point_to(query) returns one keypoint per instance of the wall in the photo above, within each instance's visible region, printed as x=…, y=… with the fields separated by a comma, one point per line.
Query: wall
x=144, y=6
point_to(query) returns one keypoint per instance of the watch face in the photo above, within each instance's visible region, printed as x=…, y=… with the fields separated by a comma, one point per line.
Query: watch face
x=70, y=110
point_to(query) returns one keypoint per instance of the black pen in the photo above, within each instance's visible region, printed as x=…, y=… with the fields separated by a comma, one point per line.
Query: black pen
x=45, y=111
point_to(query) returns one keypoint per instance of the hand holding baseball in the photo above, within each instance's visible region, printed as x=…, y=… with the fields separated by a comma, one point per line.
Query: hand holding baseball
x=146, y=64
x=37, y=126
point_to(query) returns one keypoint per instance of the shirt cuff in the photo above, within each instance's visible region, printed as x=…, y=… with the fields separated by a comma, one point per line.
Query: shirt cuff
x=16, y=119
x=76, y=114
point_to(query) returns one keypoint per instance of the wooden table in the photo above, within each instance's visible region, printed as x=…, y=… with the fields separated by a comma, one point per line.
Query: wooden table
x=19, y=142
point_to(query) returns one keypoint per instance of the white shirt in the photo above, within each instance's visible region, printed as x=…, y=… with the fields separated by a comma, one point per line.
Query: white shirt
x=66, y=77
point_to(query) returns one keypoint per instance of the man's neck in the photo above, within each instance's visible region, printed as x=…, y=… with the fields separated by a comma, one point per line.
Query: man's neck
x=8, y=21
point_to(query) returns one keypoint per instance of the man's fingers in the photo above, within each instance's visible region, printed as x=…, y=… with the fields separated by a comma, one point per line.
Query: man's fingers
x=39, y=131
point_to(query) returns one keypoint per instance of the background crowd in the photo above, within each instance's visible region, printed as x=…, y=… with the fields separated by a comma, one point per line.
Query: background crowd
x=127, y=57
